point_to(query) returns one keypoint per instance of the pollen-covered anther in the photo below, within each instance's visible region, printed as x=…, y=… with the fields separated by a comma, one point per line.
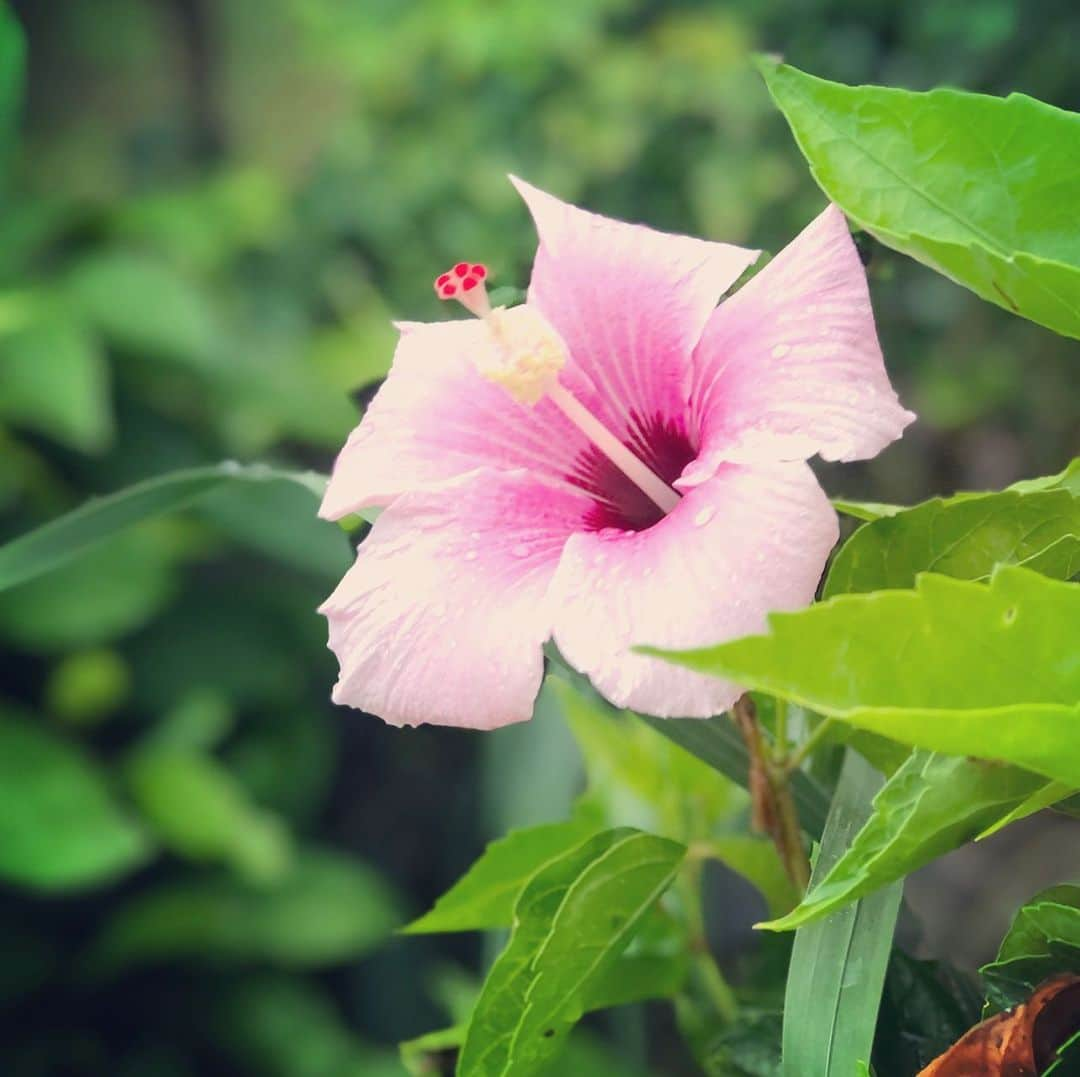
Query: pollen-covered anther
x=465, y=283
x=528, y=356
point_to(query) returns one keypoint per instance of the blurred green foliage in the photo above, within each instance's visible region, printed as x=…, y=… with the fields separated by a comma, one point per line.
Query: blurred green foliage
x=211, y=215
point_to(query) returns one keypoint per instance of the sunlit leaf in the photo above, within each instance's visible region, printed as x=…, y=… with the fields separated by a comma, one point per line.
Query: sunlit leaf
x=961, y=537
x=485, y=895
x=570, y=923
x=982, y=189
x=931, y=805
x=957, y=667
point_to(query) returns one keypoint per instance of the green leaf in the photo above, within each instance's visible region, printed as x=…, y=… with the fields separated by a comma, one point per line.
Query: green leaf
x=717, y=742
x=142, y=305
x=199, y=810
x=748, y=1048
x=838, y=964
x=962, y=537
x=980, y=188
x=422, y=1056
x=1045, y=796
x=957, y=667
x=931, y=805
x=644, y=779
x=926, y=1007
x=12, y=72
x=483, y=898
x=277, y=520
x=1043, y=940
x=326, y=909
x=60, y=540
x=109, y=591
x=757, y=861
x=278, y=1026
x=570, y=923
x=865, y=510
x=54, y=379
x=60, y=828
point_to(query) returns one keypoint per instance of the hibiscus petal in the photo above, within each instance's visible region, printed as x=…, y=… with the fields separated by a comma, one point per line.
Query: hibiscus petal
x=749, y=540
x=630, y=303
x=443, y=616
x=791, y=366
x=436, y=417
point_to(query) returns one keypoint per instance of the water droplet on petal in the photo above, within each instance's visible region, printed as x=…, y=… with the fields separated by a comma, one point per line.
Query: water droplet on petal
x=471, y=555
x=704, y=516
x=780, y=351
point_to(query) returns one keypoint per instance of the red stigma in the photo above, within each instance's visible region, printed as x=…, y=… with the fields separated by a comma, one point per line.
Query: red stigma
x=461, y=278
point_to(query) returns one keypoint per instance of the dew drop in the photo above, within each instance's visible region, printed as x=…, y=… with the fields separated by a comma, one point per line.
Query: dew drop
x=704, y=516
x=471, y=555
x=780, y=351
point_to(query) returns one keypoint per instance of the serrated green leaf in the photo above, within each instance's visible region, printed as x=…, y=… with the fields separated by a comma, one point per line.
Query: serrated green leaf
x=865, y=510
x=961, y=537
x=325, y=909
x=570, y=923
x=1045, y=796
x=199, y=810
x=931, y=805
x=957, y=667
x=60, y=828
x=62, y=539
x=483, y=898
x=1043, y=940
x=838, y=964
x=980, y=188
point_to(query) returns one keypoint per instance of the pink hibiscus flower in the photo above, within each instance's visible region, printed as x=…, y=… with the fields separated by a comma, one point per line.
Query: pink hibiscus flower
x=618, y=461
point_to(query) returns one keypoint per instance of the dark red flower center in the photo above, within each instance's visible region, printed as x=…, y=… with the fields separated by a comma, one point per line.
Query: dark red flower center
x=659, y=442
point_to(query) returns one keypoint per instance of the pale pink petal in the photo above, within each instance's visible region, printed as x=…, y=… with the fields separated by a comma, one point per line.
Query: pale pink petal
x=791, y=366
x=436, y=417
x=630, y=303
x=443, y=616
x=745, y=542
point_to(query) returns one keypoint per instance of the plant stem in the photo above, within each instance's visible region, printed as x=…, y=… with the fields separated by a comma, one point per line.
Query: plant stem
x=772, y=803
x=797, y=757
x=780, y=748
